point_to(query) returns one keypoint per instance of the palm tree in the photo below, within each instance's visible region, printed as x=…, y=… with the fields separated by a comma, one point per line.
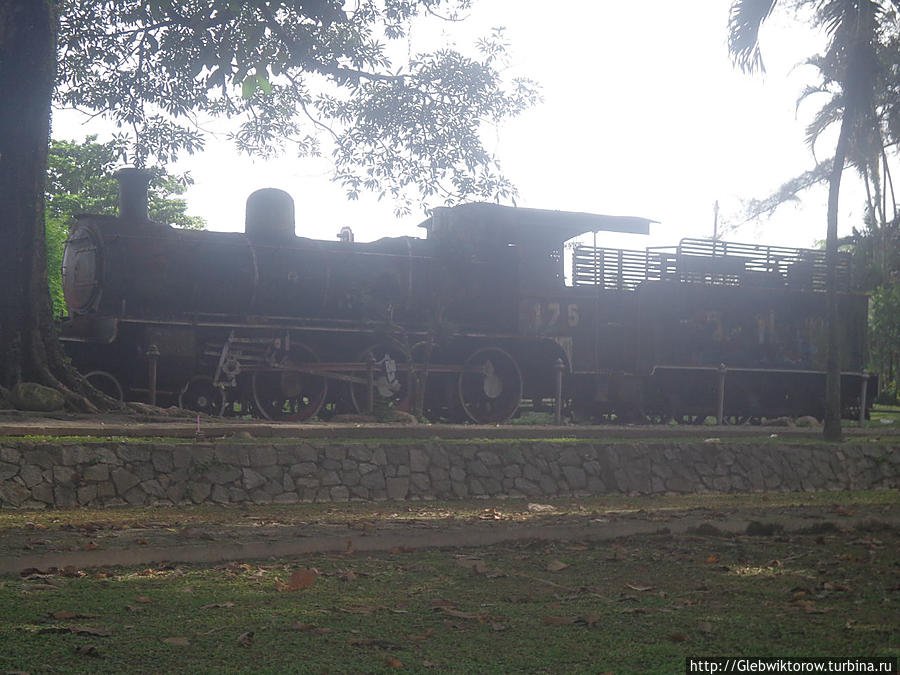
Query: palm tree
x=852, y=27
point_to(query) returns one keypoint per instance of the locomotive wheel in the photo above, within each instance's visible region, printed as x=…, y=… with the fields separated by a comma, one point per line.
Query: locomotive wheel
x=200, y=395
x=282, y=394
x=391, y=385
x=105, y=382
x=490, y=386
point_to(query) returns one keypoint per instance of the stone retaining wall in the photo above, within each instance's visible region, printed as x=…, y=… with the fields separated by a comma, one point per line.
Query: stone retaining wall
x=39, y=475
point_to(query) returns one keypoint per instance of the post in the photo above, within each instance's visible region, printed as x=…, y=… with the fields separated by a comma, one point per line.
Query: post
x=370, y=383
x=720, y=394
x=152, y=358
x=560, y=368
x=863, y=395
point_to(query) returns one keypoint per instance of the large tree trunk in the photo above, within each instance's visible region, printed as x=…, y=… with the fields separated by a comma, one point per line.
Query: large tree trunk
x=832, y=429
x=29, y=350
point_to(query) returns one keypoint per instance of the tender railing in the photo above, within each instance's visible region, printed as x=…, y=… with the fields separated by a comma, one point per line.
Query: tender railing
x=705, y=261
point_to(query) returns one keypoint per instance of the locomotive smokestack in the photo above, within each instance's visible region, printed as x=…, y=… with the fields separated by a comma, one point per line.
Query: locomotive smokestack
x=133, y=185
x=270, y=215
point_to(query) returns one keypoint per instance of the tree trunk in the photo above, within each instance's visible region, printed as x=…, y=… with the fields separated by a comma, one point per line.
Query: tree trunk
x=832, y=429
x=29, y=350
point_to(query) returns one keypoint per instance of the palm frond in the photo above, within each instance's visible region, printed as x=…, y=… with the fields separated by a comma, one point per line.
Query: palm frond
x=744, y=21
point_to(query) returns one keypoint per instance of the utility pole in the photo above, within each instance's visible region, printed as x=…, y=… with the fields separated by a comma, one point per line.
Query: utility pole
x=716, y=221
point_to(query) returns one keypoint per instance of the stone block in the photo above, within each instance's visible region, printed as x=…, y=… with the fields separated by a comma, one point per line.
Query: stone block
x=420, y=483
x=12, y=492
x=460, y=489
x=7, y=470
x=31, y=475
x=397, y=488
x=397, y=456
x=303, y=469
x=252, y=480
x=43, y=457
x=143, y=470
x=176, y=491
x=11, y=455
x=439, y=458
x=336, y=452
x=219, y=494
x=360, y=453
x=264, y=455
x=64, y=475
x=199, y=491
x=379, y=458
x=365, y=467
x=162, y=461
x=438, y=473
x=221, y=474
x=489, y=458
x=287, y=483
x=329, y=478
x=307, y=453
x=418, y=460
x=86, y=495
x=457, y=475
x=512, y=471
x=476, y=468
x=106, y=489
x=153, y=488
x=64, y=497
x=237, y=495
x=42, y=493
x=527, y=487
x=286, y=498
x=575, y=477
x=350, y=478
x=235, y=455
x=133, y=453
x=96, y=472
x=331, y=464
x=373, y=480
x=340, y=493
x=476, y=488
x=359, y=492
x=136, y=497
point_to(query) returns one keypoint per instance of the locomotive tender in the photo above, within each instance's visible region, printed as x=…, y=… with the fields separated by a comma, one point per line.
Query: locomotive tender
x=462, y=325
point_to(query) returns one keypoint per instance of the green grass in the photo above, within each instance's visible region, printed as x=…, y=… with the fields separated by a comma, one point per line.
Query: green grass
x=640, y=604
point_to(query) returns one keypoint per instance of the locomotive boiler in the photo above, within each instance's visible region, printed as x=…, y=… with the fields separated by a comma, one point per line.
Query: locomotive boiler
x=460, y=325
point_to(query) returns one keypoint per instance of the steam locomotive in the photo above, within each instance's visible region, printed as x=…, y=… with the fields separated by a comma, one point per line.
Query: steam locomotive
x=461, y=325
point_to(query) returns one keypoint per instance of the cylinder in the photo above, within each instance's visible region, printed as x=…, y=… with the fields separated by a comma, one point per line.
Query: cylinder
x=270, y=215
x=133, y=185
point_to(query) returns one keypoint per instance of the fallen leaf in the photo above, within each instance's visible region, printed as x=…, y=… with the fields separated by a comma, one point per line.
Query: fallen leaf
x=245, y=639
x=428, y=664
x=639, y=589
x=400, y=549
x=589, y=619
x=89, y=630
x=300, y=579
x=393, y=663
x=714, y=558
x=143, y=599
x=679, y=637
x=557, y=621
x=71, y=571
x=227, y=603
x=350, y=547
x=362, y=609
x=556, y=566
x=90, y=546
x=347, y=575
x=140, y=541
x=463, y=615
x=64, y=616
x=88, y=650
x=177, y=641
x=372, y=642
x=420, y=638
x=577, y=547
x=498, y=627
x=477, y=565
x=540, y=508
x=834, y=586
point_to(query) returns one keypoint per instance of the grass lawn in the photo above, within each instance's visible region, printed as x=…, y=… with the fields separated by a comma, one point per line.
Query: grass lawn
x=639, y=604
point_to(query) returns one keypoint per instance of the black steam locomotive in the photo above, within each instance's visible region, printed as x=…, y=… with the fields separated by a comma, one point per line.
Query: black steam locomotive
x=461, y=325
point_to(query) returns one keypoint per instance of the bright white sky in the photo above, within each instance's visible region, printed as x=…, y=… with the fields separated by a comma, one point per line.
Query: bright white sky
x=643, y=115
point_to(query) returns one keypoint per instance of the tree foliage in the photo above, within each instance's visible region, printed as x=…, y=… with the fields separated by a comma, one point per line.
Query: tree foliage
x=312, y=76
